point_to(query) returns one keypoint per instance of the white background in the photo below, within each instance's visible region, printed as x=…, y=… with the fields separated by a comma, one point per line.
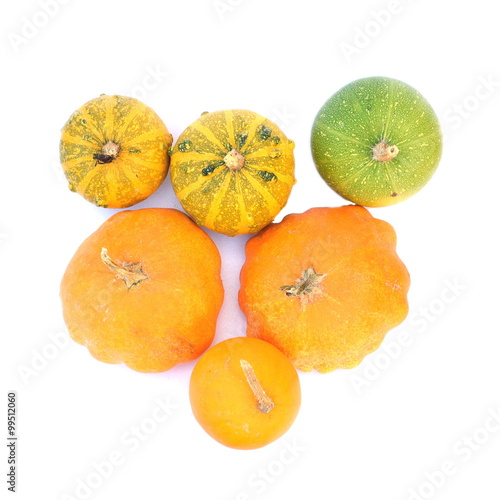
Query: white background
x=380, y=431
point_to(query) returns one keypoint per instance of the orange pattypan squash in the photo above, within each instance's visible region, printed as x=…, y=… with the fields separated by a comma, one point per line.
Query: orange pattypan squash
x=324, y=286
x=114, y=151
x=144, y=290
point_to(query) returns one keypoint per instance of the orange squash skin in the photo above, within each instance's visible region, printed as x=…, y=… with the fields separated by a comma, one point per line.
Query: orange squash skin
x=222, y=399
x=139, y=161
x=357, y=291
x=168, y=317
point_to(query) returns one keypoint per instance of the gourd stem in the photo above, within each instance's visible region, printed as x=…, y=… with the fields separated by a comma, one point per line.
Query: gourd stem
x=111, y=149
x=306, y=287
x=264, y=403
x=130, y=272
x=110, y=152
x=383, y=151
x=234, y=160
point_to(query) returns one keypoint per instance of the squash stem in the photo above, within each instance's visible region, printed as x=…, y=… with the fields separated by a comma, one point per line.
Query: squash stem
x=111, y=149
x=234, y=160
x=382, y=151
x=306, y=287
x=130, y=272
x=264, y=403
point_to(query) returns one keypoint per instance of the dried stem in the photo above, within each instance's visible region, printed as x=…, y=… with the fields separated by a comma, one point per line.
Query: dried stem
x=264, y=402
x=383, y=151
x=130, y=272
x=234, y=160
x=111, y=149
x=306, y=287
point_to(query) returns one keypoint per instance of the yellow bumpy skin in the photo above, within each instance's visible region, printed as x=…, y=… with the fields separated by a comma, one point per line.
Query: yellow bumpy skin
x=233, y=171
x=114, y=151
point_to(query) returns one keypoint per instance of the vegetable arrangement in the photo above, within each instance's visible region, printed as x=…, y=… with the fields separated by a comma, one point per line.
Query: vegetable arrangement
x=320, y=289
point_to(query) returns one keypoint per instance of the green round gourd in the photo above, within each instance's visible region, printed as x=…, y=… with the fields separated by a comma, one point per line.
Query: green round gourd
x=376, y=141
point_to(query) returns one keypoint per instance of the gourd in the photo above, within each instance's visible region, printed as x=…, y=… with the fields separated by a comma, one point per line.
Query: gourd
x=244, y=393
x=376, y=141
x=324, y=286
x=144, y=290
x=114, y=151
x=232, y=171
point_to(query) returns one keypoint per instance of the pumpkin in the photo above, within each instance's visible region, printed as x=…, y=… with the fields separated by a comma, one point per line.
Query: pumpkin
x=244, y=392
x=376, y=142
x=114, y=151
x=233, y=171
x=144, y=290
x=324, y=286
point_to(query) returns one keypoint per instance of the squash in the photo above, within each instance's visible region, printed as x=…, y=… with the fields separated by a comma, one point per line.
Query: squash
x=144, y=290
x=233, y=171
x=114, y=151
x=324, y=286
x=244, y=392
x=376, y=142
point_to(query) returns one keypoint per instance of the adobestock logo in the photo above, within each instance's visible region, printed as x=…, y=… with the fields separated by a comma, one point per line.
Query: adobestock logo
x=266, y=475
x=486, y=87
x=32, y=25
x=152, y=79
x=223, y=7
x=419, y=322
x=462, y=450
x=130, y=441
x=281, y=116
x=41, y=358
x=365, y=34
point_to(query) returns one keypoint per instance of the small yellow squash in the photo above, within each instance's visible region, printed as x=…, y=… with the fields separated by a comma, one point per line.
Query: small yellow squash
x=233, y=171
x=114, y=151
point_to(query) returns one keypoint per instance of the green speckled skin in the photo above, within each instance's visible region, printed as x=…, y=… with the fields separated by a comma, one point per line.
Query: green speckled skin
x=359, y=116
